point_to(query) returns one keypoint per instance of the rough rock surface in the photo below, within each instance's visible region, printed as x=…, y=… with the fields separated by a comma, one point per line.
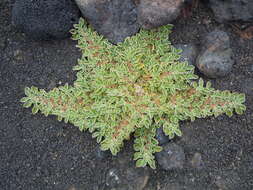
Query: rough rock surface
x=189, y=53
x=45, y=19
x=232, y=10
x=114, y=19
x=216, y=57
x=171, y=157
x=155, y=13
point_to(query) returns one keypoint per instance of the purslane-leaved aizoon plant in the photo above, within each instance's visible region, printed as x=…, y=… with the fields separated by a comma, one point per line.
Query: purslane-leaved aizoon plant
x=132, y=88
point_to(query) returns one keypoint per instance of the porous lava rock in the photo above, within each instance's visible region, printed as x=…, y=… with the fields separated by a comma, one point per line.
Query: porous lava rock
x=155, y=13
x=114, y=19
x=45, y=19
x=216, y=57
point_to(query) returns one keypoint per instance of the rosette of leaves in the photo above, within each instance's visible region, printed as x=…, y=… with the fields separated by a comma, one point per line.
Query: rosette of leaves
x=132, y=88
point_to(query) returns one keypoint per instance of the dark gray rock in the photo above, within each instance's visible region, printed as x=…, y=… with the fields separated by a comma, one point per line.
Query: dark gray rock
x=114, y=19
x=155, y=13
x=171, y=157
x=189, y=53
x=45, y=19
x=161, y=137
x=232, y=10
x=216, y=57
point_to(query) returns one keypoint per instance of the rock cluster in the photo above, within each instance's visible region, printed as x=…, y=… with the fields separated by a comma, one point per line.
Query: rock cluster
x=214, y=58
x=114, y=19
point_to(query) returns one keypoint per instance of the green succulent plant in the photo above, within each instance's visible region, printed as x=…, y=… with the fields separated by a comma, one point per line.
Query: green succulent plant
x=132, y=88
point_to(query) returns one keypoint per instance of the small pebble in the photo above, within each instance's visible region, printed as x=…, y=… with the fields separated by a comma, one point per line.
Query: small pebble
x=152, y=14
x=197, y=161
x=18, y=55
x=216, y=57
x=113, y=178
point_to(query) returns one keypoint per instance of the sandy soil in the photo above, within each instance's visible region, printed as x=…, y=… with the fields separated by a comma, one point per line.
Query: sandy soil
x=40, y=153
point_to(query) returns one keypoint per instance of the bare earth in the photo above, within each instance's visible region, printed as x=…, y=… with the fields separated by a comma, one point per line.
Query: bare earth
x=40, y=153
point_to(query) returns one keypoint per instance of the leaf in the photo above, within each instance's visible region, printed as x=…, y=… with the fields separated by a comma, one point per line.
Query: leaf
x=24, y=99
x=216, y=114
x=95, y=134
x=178, y=132
x=151, y=163
x=27, y=104
x=242, y=98
x=59, y=118
x=157, y=149
x=208, y=84
x=99, y=139
x=46, y=112
x=27, y=91
x=114, y=151
x=33, y=89
x=201, y=83
x=141, y=163
x=192, y=118
x=35, y=109
x=229, y=113
x=239, y=111
x=137, y=155
x=66, y=119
